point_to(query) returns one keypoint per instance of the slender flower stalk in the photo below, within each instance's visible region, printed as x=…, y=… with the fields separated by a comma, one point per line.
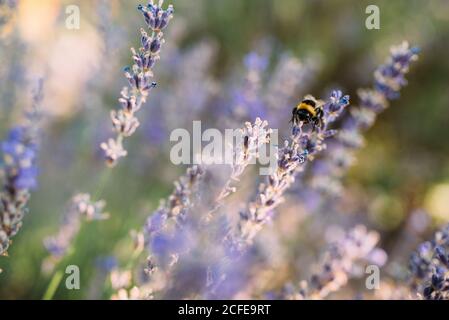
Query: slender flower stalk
x=81, y=208
x=175, y=232
x=253, y=137
x=304, y=144
x=429, y=267
x=160, y=229
x=177, y=203
x=341, y=261
x=139, y=76
x=19, y=171
x=162, y=234
x=306, y=141
x=389, y=79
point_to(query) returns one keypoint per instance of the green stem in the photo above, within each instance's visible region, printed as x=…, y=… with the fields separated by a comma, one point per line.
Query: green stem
x=102, y=182
x=58, y=275
x=53, y=285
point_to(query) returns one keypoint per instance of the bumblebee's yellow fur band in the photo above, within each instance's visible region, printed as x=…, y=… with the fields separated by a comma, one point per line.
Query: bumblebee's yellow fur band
x=307, y=107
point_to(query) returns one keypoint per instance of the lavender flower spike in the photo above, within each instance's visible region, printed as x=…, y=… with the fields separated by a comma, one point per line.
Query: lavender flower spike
x=19, y=172
x=254, y=137
x=246, y=97
x=429, y=267
x=355, y=247
x=81, y=207
x=389, y=79
x=305, y=142
x=139, y=76
x=162, y=231
x=174, y=208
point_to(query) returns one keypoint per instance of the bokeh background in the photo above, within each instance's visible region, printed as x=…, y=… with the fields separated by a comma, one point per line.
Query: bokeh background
x=403, y=169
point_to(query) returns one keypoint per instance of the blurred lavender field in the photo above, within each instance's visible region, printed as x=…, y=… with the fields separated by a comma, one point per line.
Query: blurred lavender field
x=85, y=150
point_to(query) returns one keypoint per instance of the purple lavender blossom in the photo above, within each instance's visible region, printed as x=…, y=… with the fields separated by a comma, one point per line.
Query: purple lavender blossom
x=202, y=272
x=429, y=267
x=226, y=273
x=338, y=264
x=389, y=78
x=81, y=208
x=139, y=78
x=19, y=157
x=172, y=211
x=175, y=233
x=254, y=137
x=166, y=232
x=19, y=171
x=246, y=102
x=305, y=143
x=155, y=17
x=196, y=262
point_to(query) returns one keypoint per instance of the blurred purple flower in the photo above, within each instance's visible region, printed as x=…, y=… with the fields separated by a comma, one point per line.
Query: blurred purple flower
x=19, y=156
x=305, y=142
x=247, y=103
x=80, y=208
x=19, y=170
x=353, y=248
x=429, y=267
x=389, y=78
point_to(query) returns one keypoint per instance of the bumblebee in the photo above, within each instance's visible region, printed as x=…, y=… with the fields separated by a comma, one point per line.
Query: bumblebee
x=308, y=111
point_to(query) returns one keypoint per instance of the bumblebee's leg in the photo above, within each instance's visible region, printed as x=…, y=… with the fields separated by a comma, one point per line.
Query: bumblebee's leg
x=293, y=118
x=317, y=122
x=318, y=119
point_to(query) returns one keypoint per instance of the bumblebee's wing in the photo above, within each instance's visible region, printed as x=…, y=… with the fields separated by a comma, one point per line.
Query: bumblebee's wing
x=309, y=97
x=320, y=103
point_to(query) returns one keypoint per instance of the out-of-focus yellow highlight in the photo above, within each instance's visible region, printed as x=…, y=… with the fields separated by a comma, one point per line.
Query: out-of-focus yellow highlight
x=436, y=202
x=37, y=19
